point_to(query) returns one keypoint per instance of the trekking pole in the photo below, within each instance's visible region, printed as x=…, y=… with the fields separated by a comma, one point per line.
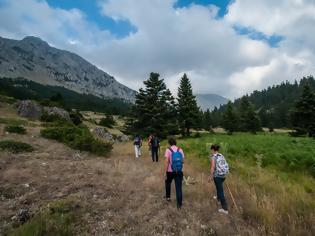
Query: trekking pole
x=232, y=197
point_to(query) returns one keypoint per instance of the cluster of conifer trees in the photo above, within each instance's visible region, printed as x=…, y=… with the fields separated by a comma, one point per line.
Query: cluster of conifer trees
x=282, y=106
x=157, y=111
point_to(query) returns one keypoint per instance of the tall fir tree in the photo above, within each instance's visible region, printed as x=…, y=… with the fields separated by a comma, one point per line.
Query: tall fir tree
x=248, y=118
x=207, y=121
x=303, y=113
x=188, y=111
x=230, y=121
x=154, y=110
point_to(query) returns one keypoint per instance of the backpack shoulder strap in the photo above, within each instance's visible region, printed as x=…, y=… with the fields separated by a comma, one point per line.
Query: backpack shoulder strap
x=171, y=150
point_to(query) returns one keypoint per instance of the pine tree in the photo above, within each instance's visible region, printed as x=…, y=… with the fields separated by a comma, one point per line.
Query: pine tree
x=303, y=113
x=154, y=110
x=230, y=122
x=188, y=111
x=207, y=121
x=248, y=118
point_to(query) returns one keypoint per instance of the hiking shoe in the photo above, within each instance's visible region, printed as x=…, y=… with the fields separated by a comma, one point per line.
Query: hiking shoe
x=167, y=199
x=214, y=197
x=221, y=210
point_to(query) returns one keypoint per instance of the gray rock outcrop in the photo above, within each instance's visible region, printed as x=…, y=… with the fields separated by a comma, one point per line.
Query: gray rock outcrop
x=29, y=109
x=32, y=110
x=57, y=111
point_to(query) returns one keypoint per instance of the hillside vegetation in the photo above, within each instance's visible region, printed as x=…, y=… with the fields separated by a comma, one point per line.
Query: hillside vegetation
x=20, y=88
x=272, y=105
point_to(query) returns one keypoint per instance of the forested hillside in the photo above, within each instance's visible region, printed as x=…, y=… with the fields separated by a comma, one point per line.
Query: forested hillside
x=25, y=89
x=272, y=105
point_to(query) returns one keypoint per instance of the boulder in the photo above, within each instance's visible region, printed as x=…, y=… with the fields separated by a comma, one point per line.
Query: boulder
x=102, y=133
x=57, y=111
x=29, y=109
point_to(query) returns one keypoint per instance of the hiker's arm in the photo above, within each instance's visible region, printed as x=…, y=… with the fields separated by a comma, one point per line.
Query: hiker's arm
x=166, y=164
x=212, y=167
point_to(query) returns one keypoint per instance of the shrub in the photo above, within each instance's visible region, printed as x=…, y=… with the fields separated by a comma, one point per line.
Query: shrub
x=107, y=121
x=76, y=117
x=15, y=129
x=59, y=218
x=52, y=118
x=77, y=137
x=7, y=99
x=12, y=121
x=15, y=147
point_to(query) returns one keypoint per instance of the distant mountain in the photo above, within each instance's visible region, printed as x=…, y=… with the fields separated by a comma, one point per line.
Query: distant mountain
x=34, y=59
x=209, y=101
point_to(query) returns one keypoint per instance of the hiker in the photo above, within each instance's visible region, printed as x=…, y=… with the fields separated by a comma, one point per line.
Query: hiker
x=149, y=142
x=218, y=171
x=137, y=143
x=173, y=169
x=155, y=146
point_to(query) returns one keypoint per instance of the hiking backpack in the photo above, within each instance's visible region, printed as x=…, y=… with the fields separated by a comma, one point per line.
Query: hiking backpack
x=177, y=160
x=155, y=142
x=221, y=166
x=137, y=141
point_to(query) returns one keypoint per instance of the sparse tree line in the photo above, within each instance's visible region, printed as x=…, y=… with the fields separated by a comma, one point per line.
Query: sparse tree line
x=282, y=106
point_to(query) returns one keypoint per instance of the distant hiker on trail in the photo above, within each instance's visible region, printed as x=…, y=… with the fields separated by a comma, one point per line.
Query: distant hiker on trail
x=173, y=169
x=218, y=171
x=137, y=143
x=149, y=141
x=155, y=146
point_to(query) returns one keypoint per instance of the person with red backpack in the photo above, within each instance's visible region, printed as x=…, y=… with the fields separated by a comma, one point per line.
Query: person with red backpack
x=173, y=167
x=218, y=171
x=155, y=147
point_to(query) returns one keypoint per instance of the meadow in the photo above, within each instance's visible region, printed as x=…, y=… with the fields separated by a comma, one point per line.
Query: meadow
x=271, y=178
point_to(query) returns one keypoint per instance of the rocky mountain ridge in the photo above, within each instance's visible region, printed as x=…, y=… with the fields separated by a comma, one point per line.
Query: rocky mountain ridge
x=33, y=59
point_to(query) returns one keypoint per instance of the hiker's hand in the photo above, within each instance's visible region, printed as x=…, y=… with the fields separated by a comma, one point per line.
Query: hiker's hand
x=165, y=176
x=209, y=178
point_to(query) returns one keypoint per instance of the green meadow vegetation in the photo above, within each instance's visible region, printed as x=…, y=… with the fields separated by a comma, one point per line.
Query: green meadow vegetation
x=272, y=177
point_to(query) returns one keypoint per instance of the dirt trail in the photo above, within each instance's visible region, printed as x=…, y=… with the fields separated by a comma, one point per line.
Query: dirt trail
x=124, y=195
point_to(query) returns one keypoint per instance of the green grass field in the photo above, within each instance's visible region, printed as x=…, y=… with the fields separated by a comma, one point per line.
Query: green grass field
x=271, y=175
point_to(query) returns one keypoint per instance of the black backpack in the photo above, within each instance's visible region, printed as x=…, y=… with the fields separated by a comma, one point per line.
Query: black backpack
x=155, y=142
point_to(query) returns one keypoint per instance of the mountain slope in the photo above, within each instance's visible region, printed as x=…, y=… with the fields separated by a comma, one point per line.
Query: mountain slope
x=209, y=101
x=34, y=59
x=26, y=89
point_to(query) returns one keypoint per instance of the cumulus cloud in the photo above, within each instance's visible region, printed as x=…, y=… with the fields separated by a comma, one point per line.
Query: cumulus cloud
x=173, y=41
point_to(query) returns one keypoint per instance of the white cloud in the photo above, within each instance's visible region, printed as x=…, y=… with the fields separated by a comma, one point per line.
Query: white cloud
x=173, y=41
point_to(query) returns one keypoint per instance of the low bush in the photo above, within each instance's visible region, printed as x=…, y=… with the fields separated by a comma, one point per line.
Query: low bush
x=77, y=137
x=7, y=99
x=59, y=218
x=15, y=129
x=15, y=147
x=52, y=118
x=12, y=121
x=107, y=121
x=76, y=117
